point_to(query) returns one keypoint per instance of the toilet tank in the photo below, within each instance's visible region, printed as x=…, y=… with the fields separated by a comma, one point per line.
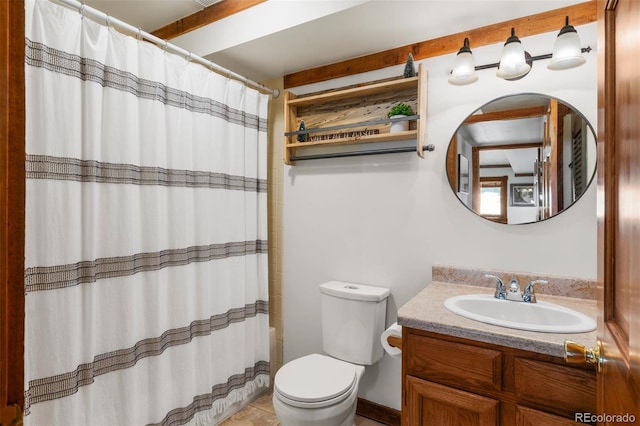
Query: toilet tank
x=353, y=318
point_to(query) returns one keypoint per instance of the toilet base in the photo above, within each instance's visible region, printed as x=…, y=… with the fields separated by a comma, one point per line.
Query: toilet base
x=340, y=414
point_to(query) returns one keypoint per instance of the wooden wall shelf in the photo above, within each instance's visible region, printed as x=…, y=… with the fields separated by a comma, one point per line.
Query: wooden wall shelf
x=356, y=115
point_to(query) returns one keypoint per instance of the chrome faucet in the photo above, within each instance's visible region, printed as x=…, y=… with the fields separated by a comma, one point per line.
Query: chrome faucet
x=529, y=294
x=501, y=291
x=514, y=293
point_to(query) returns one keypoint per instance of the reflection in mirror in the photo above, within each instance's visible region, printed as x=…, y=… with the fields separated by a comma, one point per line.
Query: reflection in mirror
x=522, y=158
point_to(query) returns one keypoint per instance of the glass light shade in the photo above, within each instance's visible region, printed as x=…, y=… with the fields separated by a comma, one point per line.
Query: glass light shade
x=567, y=51
x=464, y=71
x=513, y=63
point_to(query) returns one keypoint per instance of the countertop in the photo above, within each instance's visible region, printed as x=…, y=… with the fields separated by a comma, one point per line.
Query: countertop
x=426, y=311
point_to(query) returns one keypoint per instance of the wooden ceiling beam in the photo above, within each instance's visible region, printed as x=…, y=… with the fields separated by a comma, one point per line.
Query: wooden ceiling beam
x=206, y=16
x=579, y=14
x=509, y=146
x=510, y=114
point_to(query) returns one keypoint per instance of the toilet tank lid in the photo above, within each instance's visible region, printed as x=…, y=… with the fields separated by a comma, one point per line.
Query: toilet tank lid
x=354, y=291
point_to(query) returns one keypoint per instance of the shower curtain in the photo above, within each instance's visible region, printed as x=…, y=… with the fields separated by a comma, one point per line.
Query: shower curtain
x=146, y=251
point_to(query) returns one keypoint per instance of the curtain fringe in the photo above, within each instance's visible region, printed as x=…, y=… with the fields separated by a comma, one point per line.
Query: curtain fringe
x=210, y=417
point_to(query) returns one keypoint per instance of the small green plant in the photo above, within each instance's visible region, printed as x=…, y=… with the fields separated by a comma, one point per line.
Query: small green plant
x=400, y=109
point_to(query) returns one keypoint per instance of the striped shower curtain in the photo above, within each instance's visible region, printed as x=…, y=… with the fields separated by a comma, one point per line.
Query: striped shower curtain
x=146, y=265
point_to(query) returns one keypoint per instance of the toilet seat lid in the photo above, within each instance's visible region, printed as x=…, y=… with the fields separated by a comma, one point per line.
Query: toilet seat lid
x=314, y=378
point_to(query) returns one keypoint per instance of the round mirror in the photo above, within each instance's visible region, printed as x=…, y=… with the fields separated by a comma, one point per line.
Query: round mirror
x=522, y=158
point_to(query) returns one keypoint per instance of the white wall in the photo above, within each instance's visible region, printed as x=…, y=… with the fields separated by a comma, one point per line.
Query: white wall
x=385, y=220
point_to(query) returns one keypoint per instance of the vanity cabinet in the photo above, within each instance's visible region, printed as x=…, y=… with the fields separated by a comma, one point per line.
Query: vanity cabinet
x=454, y=381
x=355, y=115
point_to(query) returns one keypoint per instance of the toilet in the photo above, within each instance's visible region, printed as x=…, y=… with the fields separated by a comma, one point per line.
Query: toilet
x=322, y=389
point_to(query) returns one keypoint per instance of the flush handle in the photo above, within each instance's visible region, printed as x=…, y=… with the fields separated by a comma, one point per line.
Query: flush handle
x=575, y=353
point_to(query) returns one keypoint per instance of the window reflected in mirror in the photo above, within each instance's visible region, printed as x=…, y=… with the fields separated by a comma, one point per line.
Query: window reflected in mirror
x=493, y=198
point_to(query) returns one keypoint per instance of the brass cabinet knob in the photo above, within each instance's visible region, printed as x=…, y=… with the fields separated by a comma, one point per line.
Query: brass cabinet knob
x=575, y=353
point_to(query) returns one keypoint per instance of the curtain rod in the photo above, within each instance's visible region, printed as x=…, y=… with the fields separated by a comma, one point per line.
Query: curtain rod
x=97, y=15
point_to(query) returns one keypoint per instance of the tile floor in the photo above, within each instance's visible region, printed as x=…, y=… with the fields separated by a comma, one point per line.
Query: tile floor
x=260, y=413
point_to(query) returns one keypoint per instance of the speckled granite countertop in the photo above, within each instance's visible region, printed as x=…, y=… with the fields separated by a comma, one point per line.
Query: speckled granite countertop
x=426, y=311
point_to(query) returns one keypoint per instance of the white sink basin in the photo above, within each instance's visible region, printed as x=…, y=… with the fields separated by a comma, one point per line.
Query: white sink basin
x=541, y=316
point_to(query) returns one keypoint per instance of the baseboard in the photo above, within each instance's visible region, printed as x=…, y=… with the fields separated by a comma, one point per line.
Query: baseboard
x=379, y=413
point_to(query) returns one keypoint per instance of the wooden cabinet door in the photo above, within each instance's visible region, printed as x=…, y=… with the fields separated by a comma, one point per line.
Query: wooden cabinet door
x=619, y=209
x=12, y=185
x=526, y=416
x=430, y=403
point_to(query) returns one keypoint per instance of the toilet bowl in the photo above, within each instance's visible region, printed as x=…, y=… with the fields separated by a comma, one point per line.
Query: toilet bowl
x=322, y=390
x=317, y=390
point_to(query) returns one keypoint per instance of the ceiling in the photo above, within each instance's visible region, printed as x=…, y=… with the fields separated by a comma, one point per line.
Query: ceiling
x=279, y=37
x=508, y=132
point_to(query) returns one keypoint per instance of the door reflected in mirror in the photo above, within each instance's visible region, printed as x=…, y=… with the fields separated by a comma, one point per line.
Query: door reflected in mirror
x=522, y=158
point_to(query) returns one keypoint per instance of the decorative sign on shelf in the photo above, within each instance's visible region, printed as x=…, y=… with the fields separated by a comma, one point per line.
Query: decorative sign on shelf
x=343, y=135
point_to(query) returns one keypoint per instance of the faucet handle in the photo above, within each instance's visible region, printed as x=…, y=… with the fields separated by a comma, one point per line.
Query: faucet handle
x=529, y=294
x=501, y=291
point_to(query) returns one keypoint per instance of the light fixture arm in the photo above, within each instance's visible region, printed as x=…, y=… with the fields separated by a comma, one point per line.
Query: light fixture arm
x=513, y=38
x=529, y=59
x=567, y=28
x=465, y=46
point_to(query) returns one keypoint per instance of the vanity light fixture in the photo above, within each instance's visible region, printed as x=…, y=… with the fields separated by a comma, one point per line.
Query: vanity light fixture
x=513, y=63
x=464, y=71
x=516, y=63
x=567, y=52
